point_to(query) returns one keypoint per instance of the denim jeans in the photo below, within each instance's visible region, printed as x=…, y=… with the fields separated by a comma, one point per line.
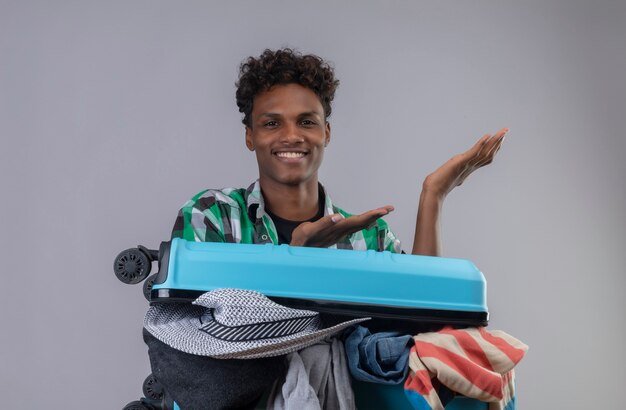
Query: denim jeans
x=378, y=358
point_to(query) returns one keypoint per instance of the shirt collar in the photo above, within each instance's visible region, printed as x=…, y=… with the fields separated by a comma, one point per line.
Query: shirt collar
x=256, y=206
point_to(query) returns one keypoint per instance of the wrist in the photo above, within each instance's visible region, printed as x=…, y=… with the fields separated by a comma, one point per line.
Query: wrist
x=432, y=191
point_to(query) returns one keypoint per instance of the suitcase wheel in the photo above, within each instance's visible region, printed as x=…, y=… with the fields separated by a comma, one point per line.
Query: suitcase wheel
x=152, y=389
x=138, y=405
x=132, y=266
x=147, y=286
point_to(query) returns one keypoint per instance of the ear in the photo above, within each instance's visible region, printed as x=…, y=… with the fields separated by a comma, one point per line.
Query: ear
x=249, y=142
x=327, y=139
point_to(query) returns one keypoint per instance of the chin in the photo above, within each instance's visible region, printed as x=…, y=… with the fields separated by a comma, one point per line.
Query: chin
x=293, y=180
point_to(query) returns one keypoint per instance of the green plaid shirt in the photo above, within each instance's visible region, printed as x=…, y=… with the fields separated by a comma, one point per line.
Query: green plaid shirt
x=238, y=215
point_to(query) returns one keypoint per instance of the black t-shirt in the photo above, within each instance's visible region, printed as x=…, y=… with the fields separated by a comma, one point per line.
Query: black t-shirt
x=285, y=227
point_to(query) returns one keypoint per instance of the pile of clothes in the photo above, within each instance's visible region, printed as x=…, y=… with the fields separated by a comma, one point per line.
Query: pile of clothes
x=309, y=366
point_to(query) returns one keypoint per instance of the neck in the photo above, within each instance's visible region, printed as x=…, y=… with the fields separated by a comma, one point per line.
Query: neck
x=291, y=202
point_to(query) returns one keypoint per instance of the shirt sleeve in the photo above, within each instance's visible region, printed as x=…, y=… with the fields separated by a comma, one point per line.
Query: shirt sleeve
x=197, y=223
x=388, y=240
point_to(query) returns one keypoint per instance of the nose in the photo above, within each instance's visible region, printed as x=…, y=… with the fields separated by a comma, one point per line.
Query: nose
x=291, y=134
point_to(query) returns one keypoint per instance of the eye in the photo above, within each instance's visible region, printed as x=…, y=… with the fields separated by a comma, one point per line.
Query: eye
x=270, y=124
x=307, y=122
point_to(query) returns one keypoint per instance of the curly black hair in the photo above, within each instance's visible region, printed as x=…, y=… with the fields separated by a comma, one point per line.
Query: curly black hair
x=284, y=66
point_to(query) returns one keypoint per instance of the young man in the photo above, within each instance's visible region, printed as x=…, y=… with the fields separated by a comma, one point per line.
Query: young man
x=286, y=101
x=285, y=98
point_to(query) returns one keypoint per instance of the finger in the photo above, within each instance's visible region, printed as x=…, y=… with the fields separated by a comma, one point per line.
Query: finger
x=479, y=162
x=478, y=156
x=374, y=213
x=378, y=212
x=489, y=148
x=493, y=141
x=485, y=145
x=475, y=150
x=486, y=139
x=498, y=145
x=502, y=132
x=352, y=225
x=359, y=222
x=308, y=230
x=383, y=210
x=325, y=222
x=488, y=157
x=498, y=149
x=490, y=145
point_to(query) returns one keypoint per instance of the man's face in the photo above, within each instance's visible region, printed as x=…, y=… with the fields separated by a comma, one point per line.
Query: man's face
x=288, y=134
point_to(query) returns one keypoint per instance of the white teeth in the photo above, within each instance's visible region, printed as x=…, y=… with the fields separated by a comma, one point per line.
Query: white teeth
x=290, y=154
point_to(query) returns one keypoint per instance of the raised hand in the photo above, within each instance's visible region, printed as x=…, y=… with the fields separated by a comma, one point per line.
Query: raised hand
x=437, y=186
x=330, y=229
x=459, y=167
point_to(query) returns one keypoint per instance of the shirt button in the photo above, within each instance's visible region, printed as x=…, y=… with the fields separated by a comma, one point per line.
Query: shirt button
x=264, y=237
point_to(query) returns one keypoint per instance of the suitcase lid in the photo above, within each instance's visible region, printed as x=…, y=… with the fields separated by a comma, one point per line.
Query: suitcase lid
x=359, y=283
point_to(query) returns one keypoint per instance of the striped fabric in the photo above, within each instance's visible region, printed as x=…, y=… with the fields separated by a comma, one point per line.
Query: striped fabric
x=258, y=331
x=473, y=362
x=248, y=325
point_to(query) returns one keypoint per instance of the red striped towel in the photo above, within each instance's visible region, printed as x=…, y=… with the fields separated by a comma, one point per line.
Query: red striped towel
x=473, y=362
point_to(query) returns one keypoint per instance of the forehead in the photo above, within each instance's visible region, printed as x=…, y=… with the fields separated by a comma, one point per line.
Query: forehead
x=287, y=99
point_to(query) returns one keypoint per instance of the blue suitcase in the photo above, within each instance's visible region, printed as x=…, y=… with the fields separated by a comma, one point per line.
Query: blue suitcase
x=399, y=292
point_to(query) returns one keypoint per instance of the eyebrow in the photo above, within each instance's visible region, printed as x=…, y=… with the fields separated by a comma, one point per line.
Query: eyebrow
x=303, y=114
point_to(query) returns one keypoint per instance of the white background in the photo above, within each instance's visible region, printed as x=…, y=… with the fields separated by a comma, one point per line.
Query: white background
x=114, y=113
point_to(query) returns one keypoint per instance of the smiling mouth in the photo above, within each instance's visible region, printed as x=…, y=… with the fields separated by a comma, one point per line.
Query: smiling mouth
x=290, y=154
